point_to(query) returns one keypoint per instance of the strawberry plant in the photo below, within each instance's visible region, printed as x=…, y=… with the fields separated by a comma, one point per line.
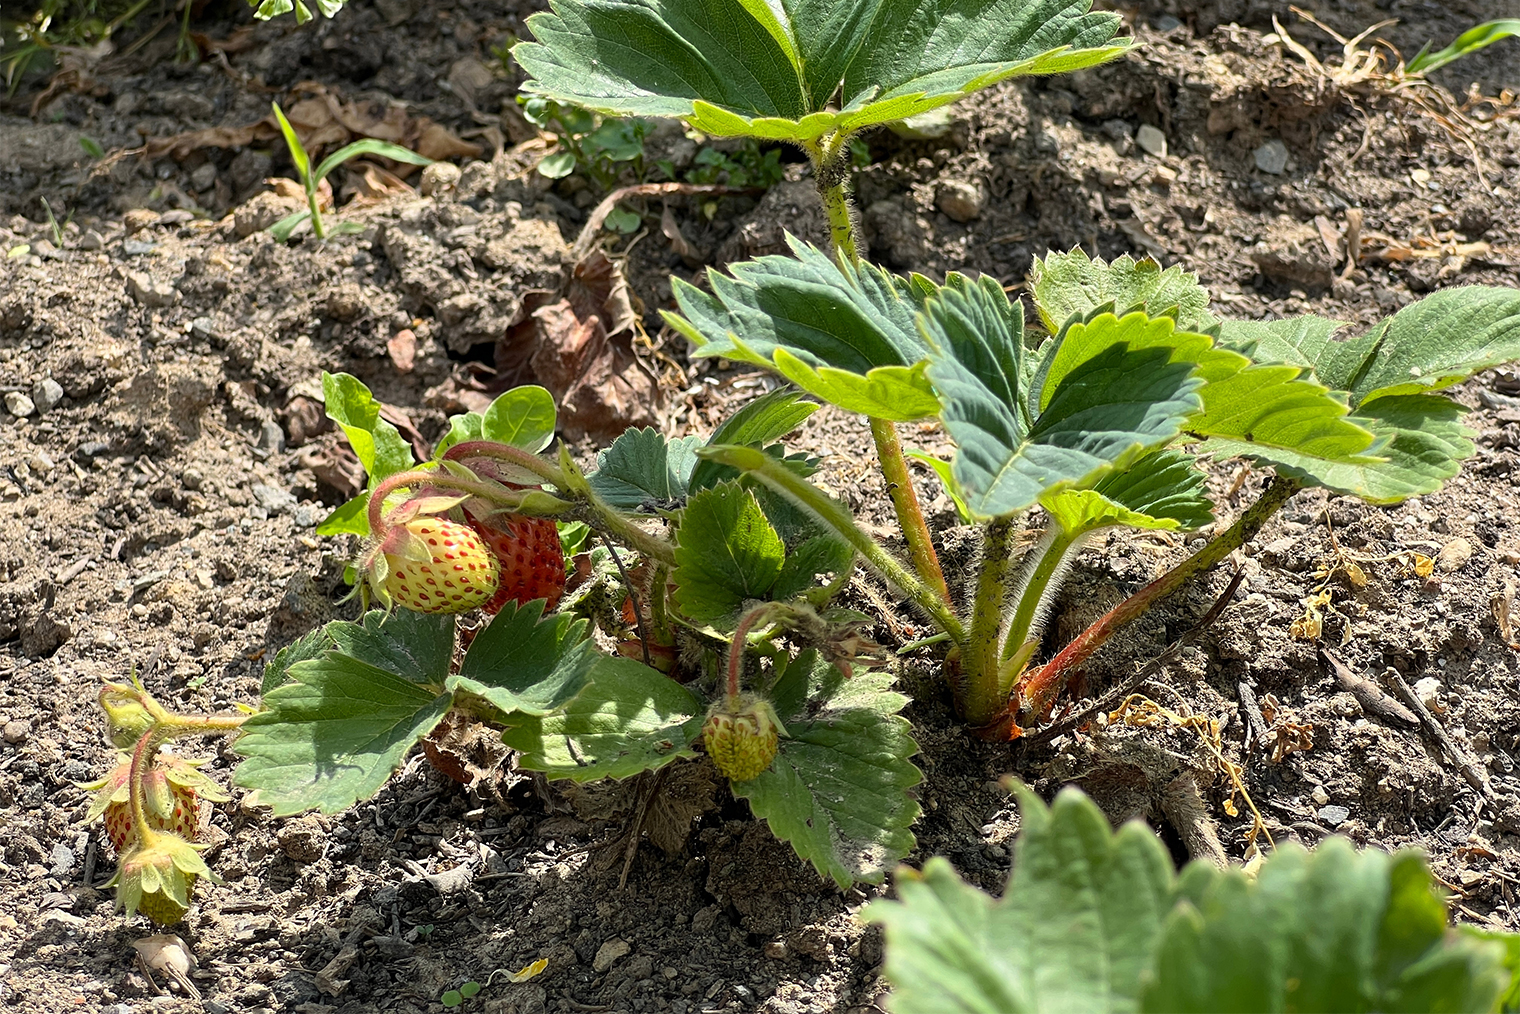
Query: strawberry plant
x=1096, y=921
x=715, y=563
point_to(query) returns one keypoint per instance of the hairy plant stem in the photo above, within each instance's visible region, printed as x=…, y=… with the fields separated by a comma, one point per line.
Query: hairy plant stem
x=1037, y=690
x=166, y=727
x=981, y=697
x=526, y=460
x=749, y=621
x=894, y=467
x=1051, y=550
x=811, y=499
x=831, y=170
x=443, y=480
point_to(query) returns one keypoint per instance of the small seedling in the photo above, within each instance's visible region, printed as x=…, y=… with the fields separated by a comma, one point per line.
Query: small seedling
x=311, y=181
x=1467, y=43
x=455, y=997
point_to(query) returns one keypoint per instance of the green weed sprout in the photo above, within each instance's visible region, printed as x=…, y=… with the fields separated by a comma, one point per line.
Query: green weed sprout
x=1467, y=43
x=311, y=181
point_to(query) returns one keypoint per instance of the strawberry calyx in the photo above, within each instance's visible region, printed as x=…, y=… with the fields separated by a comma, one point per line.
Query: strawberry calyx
x=157, y=877
x=742, y=736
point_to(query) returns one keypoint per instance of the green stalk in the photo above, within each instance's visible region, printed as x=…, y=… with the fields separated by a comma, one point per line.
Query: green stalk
x=910, y=516
x=811, y=499
x=831, y=170
x=1052, y=550
x=1040, y=687
x=317, y=227
x=982, y=698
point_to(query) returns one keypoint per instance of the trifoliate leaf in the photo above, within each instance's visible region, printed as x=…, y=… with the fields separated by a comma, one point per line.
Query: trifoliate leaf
x=1385, y=376
x=416, y=645
x=628, y=719
x=773, y=70
x=1284, y=418
x=838, y=788
x=1073, y=285
x=1100, y=407
x=726, y=553
x=842, y=333
x=1075, y=930
x=525, y=661
x=312, y=644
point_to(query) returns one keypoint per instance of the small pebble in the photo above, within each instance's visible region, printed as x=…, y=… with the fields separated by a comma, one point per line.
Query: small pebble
x=1272, y=157
x=1454, y=555
x=19, y=405
x=16, y=731
x=1319, y=795
x=960, y=200
x=92, y=240
x=1333, y=816
x=46, y=394
x=608, y=954
x=1151, y=140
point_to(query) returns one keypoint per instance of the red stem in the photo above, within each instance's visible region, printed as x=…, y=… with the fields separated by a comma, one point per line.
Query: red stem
x=1037, y=690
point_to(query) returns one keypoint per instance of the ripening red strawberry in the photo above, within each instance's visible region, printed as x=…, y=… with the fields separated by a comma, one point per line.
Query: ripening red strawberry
x=433, y=565
x=531, y=556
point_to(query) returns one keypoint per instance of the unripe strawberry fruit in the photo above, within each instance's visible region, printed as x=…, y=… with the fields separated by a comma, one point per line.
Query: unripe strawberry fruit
x=157, y=878
x=742, y=741
x=433, y=565
x=172, y=790
x=530, y=555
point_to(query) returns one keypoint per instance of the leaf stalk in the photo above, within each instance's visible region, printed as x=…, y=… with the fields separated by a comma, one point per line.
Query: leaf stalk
x=1036, y=691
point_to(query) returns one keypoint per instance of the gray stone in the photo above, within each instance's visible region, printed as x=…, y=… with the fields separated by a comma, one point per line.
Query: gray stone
x=272, y=498
x=271, y=437
x=92, y=240
x=1151, y=140
x=149, y=291
x=46, y=394
x=204, y=178
x=138, y=247
x=62, y=860
x=1118, y=130
x=18, y=404
x=1333, y=816
x=1272, y=157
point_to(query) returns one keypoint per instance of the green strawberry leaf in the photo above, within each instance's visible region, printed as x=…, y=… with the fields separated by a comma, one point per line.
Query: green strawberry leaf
x=417, y=645
x=312, y=644
x=772, y=70
x=522, y=417
x=627, y=720
x=838, y=788
x=1113, y=390
x=840, y=332
x=642, y=465
x=1075, y=930
x=1420, y=442
x=351, y=517
x=527, y=662
x=727, y=553
x=759, y=424
x=376, y=443
x=1332, y=930
x=1387, y=377
x=339, y=725
x=1073, y=285
x=1160, y=491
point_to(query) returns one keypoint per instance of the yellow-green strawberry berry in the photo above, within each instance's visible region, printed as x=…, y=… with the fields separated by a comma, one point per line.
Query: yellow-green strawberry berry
x=157, y=877
x=433, y=565
x=742, y=737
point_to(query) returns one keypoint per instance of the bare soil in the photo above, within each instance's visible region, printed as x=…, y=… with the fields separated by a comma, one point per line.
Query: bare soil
x=162, y=510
